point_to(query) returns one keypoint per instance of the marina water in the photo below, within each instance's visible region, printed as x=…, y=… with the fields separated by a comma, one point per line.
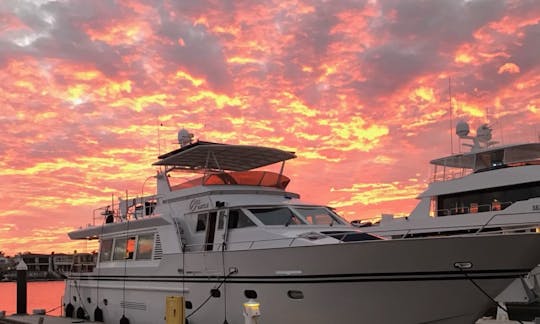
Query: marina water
x=41, y=294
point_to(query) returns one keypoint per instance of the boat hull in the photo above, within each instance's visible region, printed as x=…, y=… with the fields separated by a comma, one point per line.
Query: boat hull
x=394, y=281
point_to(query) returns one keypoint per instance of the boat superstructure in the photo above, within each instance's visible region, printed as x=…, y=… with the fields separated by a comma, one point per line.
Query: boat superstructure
x=235, y=234
x=491, y=188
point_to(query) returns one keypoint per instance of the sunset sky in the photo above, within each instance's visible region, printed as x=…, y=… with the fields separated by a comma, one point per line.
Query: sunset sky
x=92, y=91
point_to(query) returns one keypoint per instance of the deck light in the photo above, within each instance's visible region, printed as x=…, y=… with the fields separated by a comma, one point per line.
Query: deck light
x=251, y=311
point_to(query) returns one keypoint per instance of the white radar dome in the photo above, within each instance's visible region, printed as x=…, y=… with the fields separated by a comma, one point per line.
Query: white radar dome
x=462, y=129
x=184, y=137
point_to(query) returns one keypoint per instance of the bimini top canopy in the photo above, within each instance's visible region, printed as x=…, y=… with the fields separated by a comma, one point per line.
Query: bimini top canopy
x=201, y=156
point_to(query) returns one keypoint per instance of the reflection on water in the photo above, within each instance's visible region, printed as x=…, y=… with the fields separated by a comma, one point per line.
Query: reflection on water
x=43, y=294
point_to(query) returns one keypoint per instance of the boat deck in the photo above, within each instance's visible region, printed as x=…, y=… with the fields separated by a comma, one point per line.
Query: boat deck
x=35, y=319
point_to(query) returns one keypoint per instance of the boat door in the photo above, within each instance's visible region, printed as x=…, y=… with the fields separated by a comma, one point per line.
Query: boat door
x=216, y=235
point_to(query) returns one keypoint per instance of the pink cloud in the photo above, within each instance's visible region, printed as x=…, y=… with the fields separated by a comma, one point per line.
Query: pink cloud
x=359, y=89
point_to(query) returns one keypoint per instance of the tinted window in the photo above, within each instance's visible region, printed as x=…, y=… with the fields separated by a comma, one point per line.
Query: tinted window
x=122, y=250
x=201, y=223
x=317, y=216
x=276, y=216
x=130, y=248
x=486, y=200
x=145, y=245
x=105, y=250
x=237, y=219
x=119, y=252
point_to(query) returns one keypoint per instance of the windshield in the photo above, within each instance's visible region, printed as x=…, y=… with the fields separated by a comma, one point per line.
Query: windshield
x=318, y=216
x=276, y=216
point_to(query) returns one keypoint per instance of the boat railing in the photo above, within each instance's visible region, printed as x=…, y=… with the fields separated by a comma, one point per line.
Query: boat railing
x=270, y=243
x=474, y=208
x=448, y=173
x=128, y=209
x=488, y=227
x=513, y=227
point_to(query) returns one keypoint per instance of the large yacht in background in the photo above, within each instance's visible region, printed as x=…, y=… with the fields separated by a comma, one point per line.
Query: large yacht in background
x=235, y=234
x=492, y=188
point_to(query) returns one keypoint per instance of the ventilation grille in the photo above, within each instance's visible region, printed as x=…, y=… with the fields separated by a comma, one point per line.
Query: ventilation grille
x=133, y=305
x=158, y=251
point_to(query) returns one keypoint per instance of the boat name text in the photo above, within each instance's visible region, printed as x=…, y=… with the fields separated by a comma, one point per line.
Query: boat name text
x=197, y=204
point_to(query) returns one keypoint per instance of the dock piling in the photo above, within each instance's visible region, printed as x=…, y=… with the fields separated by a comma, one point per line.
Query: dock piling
x=21, y=268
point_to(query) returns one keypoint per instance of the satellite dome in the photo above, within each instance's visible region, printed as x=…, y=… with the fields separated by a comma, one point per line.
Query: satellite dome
x=184, y=137
x=484, y=133
x=462, y=129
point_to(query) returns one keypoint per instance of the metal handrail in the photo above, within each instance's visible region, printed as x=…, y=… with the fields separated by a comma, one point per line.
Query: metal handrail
x=467, y=209
x=132, y=214
x=253, y=242
x=516, y=226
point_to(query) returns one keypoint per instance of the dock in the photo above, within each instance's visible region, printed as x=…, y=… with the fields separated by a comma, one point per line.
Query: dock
x=41, y=319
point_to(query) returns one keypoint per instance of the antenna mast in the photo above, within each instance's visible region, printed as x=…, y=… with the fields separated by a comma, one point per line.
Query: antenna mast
x=451, y=116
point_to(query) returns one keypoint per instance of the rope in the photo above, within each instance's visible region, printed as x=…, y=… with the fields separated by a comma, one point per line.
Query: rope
x=210, y=296
x=485, y=293
x=125, y=272
x=98, y=265
x=53, y=309
x=82, y=301
x=224, y=278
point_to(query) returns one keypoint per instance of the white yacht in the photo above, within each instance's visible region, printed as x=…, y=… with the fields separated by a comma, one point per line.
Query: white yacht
x=491, y=188
x=235, y=234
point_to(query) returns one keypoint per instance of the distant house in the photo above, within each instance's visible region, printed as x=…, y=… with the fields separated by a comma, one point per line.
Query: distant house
x=38, y=265
x=4, y=265
x=53, y=266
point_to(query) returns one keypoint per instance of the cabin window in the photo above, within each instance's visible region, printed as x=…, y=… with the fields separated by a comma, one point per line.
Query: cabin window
x=201, y=222
x=276, y=216
x=237, y=219
x=489, y=160
x=130, y=248
x=317, y=216
x=105, y=250
x=145, y=245
x=124, y=248
x=119, y=249
x=221, y=220
x=486, y=200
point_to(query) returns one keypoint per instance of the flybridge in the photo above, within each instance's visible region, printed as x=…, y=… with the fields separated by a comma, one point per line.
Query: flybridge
x=224, y=164
x=493, y=157
x=484, y=156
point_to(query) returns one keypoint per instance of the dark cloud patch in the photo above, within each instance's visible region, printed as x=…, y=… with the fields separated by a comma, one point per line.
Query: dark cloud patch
x=394, y=65
x=527, y=53
x=58, y=33
x=201, y=52
x=445, y=23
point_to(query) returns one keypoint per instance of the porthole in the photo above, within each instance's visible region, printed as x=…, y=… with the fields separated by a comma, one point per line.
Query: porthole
x=74, y=298
x=89, y=300
x=215, y=293
x=105, y=301
x=250, y=294
x=295, y=294
x=189, y=305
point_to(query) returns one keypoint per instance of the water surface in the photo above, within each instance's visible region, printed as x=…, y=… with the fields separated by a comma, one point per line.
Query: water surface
x=42, y=294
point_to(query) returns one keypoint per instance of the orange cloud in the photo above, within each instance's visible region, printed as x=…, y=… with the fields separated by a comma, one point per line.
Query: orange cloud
x=89, y=101
x=510, y=68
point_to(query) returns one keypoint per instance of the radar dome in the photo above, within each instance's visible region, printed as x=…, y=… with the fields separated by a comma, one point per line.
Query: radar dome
x=462, y=129
x=184, y=137
x=484, y=133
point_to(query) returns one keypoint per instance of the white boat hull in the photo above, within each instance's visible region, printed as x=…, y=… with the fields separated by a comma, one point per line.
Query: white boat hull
x=395, y=281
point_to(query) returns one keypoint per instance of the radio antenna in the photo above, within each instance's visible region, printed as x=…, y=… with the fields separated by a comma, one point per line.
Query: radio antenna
x=159, y=136
x=451, y=116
